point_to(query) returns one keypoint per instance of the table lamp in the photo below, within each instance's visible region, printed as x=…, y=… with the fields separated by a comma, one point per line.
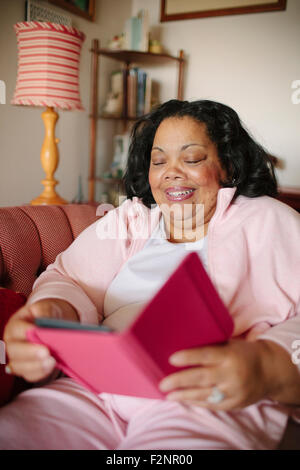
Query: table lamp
x=48, y=75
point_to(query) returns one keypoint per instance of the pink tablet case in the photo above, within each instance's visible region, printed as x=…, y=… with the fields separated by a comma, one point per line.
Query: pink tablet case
x=186, y=312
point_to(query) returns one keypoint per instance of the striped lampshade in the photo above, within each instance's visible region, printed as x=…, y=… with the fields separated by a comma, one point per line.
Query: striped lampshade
x=48, y=65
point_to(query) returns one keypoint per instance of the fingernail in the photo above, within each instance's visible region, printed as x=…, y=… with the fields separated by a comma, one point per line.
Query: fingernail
x=42, y=353
x=176, y=360
x=165, y=385
x=49, y=363
x=173, y=396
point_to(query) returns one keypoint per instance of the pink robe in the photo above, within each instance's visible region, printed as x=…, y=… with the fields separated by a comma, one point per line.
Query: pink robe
x=253, y=260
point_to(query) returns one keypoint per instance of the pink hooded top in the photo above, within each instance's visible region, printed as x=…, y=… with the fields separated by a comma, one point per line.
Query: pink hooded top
x=253, y=261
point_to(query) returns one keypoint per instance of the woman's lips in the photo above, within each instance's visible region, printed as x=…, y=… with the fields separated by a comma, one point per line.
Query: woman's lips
x=179, y=194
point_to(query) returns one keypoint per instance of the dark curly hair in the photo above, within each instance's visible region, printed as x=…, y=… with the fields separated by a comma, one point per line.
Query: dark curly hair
x=248, y=166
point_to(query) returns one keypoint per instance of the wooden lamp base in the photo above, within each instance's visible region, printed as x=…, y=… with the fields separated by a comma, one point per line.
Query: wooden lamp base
x=49, y=160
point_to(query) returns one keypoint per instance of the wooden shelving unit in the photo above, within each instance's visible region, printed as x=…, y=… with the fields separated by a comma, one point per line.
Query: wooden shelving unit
x=127, y=58
x=290, y=195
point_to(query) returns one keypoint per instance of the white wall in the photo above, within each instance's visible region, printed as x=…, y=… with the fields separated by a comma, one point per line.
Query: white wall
x=247, y=62
x=22, y=129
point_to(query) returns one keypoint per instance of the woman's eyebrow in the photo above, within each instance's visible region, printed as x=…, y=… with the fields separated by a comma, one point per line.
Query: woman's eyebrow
x=184, y=147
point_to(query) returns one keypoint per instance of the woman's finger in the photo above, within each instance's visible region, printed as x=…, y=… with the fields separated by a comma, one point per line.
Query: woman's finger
x=198, y=395
x=193, y=377
x=16, y=330
x=32, y=371
x=200, y=398
x=206, y=355
x=23, y=319
x=23, y=351
x=46, y=308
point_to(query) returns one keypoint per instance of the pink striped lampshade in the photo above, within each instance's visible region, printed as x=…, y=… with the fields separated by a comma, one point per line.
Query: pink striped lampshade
x=48, y=65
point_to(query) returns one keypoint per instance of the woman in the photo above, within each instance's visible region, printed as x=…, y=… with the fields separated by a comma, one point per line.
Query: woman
x=212, y=187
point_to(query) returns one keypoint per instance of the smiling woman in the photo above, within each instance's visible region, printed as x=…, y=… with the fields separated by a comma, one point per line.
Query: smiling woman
x=222, y=151
x=235, y=395
x=182, y=153
x=185, y=168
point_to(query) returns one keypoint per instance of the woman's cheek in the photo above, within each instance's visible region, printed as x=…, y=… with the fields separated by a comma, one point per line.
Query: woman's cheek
x=208, y=176
x=153, y=180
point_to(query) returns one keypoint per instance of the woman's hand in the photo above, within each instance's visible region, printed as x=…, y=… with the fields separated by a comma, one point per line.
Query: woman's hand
x=31, y=361
x=243, y=371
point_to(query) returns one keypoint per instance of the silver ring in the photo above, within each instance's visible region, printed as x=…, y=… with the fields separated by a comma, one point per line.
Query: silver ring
x=216, y=396
x=8, y=370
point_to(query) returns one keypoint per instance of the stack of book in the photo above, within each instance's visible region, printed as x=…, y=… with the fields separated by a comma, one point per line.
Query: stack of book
x=131, y=94
x=139, y=92
x=137, y=32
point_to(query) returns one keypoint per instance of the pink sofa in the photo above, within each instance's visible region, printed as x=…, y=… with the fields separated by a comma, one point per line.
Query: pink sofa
x=30, y=238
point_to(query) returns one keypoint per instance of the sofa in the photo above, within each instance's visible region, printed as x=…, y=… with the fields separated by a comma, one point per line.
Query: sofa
x=30, y=238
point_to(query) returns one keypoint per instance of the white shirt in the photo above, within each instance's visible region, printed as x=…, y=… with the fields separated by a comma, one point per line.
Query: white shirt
x=144, y=274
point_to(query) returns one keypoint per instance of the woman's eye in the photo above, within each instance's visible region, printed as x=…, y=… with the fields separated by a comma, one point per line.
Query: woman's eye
x=157, y=163
x=195, y=161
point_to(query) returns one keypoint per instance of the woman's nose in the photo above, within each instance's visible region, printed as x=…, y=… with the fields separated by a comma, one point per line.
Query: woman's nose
x=174, y=172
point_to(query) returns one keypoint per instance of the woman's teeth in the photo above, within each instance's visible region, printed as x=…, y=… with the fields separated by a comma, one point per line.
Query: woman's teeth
x=180, y=193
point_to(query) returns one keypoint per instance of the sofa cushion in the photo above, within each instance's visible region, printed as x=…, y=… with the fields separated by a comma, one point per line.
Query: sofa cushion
x=32, y=236
x=10, y=302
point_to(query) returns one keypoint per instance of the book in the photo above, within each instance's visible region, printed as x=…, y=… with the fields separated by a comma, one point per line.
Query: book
x=185, y=313
x=141, y=89
x=132, y=92
x=148, y=95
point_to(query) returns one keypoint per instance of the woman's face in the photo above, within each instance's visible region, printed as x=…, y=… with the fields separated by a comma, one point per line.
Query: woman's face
x=185, y=170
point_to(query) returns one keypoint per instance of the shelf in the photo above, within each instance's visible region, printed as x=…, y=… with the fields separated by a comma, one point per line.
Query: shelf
x=290, y=195
x=290, y=190
x=136, y=56
x=126, y=57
